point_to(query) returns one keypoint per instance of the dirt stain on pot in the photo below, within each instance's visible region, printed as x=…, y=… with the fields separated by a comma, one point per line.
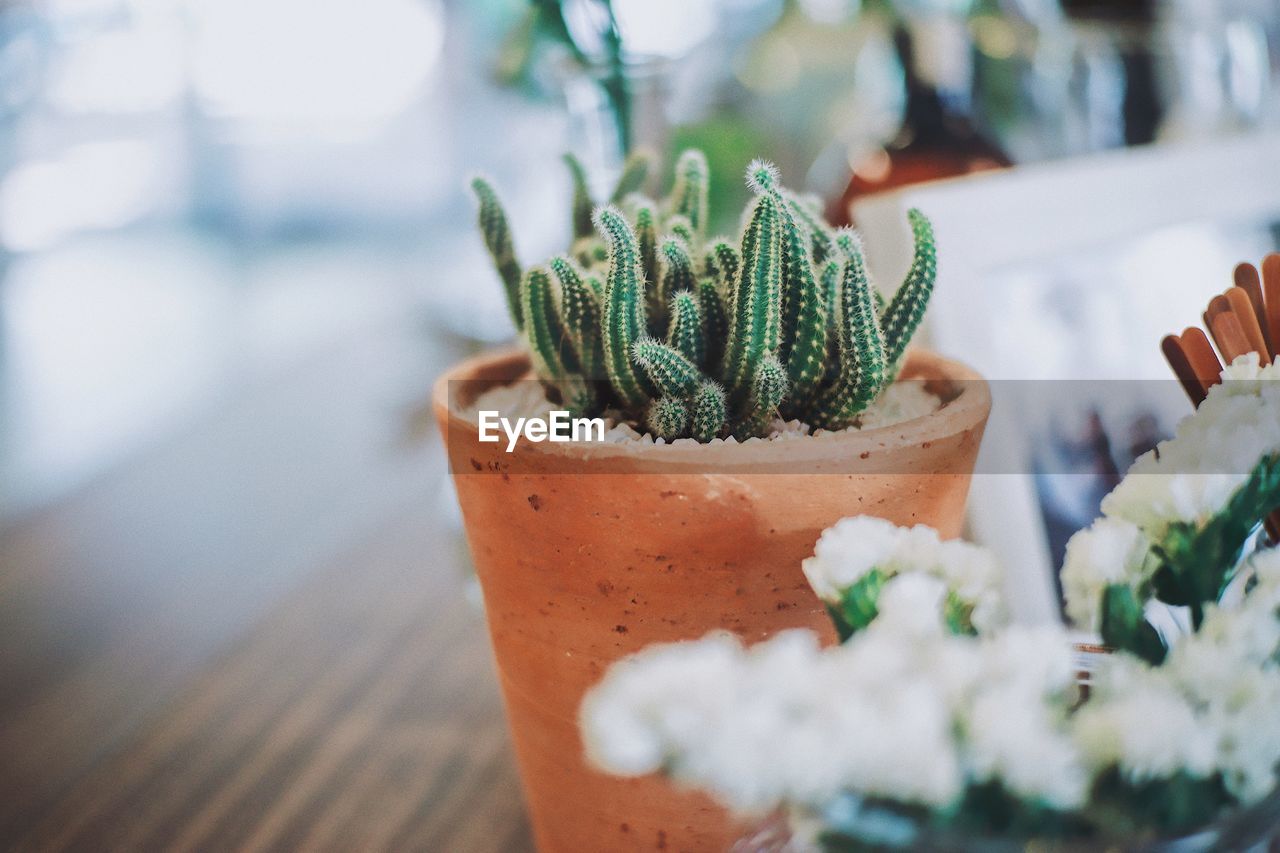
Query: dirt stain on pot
x=535, y=502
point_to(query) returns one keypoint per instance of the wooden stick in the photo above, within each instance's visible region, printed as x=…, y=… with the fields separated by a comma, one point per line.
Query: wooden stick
x=1248, y=279
x=1229, y=337
x=1178, y=359
x=1204, y=362
x=1271, y=291
x=1217, y=305
x=1242, y=307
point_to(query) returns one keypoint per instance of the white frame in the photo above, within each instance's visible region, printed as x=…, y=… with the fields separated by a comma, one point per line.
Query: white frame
x=1052, y=209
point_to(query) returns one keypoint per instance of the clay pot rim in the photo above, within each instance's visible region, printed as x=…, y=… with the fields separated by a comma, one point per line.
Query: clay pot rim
x=968, y=409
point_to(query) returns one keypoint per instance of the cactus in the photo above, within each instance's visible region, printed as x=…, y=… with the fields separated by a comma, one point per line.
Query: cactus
x=905, y=311
x=687, y=333
x=497, y=239
x=623, y=318
x=689, y=194
x=862, y=356
x=709, y=411
x=668, y=417
x=700, y=338
x=582, y=203
x=634, y=172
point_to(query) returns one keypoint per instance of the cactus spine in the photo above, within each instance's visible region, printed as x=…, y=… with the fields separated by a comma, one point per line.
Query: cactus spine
x=701, y=338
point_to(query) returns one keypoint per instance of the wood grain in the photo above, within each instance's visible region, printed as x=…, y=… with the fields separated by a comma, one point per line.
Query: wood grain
x=257, y=635
x=362, y=714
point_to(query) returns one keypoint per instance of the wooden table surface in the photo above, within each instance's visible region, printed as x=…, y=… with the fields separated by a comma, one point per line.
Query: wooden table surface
x=258, y=636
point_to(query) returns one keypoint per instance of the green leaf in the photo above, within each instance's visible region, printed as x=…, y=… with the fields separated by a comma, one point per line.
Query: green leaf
x=1125, y=626
x=858, y=605
x=1198, y=561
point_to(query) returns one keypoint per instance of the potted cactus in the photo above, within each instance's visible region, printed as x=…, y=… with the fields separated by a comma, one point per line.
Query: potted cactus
x=755, y=391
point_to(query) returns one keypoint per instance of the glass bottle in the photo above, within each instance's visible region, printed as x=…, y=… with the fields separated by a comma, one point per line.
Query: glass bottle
x=938, y=137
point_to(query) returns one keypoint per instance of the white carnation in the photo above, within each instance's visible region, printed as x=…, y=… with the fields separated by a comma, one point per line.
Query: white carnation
x=847, y=551
x=1111, y=551
x=1190, y=477
x=1138, y=720
x=1016, y=724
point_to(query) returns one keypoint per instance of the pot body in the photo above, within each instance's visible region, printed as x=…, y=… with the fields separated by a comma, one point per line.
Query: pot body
x=587, y=553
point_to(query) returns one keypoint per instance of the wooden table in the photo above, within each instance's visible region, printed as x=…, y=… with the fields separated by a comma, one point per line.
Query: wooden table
x=259, y=636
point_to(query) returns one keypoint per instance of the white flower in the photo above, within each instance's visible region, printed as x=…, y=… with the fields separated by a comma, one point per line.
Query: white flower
x=1248, y=725
x=848, y=550
x=1016, y=722
x=1111, y=551
x=902, y=711
x=852, y=547
x=1245, y=368
x=1138, y=720
x=781, y=722
x=1190, y=477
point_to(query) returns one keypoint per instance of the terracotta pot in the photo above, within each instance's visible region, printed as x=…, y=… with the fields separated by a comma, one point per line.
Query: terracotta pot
x=588, y=552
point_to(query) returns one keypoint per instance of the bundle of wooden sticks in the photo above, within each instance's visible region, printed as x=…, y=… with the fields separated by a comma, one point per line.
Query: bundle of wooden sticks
x=1246, y=318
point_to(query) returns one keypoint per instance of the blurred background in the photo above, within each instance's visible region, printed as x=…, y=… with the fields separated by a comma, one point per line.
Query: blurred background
x=236, y=248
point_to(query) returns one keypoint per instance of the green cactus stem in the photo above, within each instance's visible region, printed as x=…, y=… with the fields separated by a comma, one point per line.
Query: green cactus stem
x=709, y=411
x=668, y=418
x=906, y=309
x=862, y=356
x=668, y=369
x=754, y=327
x=580, y=312
x=624, y=320
x=769, y=388
x=582, y=203
x=804, y=314
x=542, y=324
x=724, y=263
x=681, y=229
x=589, y=251
x=807, y=212
x=687, y=334
x=497, y=239
x=709, y=337
x=677, y=269
x=634, y=172
x=647, y=235
x=715, y=321
x=690, y=193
